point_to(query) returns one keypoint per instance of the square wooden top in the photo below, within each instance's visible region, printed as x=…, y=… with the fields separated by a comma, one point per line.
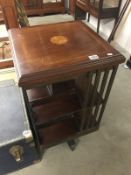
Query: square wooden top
x=42, y=53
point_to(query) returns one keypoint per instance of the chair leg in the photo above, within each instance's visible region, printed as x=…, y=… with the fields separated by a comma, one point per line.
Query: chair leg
x=88, y=19
x=75, y=14
x=116, y=21
x=72, y=144
x=98, y=25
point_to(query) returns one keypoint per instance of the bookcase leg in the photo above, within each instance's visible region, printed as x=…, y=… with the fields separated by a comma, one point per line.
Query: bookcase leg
x=72, y=144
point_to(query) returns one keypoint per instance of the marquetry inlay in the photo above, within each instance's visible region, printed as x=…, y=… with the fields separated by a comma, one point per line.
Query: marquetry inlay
x=59, y=40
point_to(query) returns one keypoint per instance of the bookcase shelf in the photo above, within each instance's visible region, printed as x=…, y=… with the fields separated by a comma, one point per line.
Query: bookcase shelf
x=59, y=132
x=57, y=109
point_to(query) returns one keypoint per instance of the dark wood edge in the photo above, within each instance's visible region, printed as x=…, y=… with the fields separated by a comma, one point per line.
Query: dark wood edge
x=6, y=64
x=70, y=70
x=4, y=39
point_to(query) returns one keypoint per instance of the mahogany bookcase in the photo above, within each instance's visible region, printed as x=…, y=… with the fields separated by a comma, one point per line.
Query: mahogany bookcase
x=66, y=79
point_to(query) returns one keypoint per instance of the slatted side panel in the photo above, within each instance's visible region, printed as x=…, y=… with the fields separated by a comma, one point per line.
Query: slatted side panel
x=98, y=89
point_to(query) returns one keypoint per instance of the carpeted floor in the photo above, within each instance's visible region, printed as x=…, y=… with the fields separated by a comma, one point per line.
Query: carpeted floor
x=8, y=74
x=50, y=19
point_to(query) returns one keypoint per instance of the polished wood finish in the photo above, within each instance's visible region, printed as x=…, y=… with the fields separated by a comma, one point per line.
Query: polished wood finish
x=74, y=104
x=46, y=62
x=39, y=7
x=99, y=9
x=11, y=19
x=6, y=64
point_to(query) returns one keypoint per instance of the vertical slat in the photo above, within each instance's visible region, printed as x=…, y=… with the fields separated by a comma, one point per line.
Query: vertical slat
x=104, y=82
x=86, y=100
x=107, y=92
x=102, y=88
x=29, y=113
x=97, y=79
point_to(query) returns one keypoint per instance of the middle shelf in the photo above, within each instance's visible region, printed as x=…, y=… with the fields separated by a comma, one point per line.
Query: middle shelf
x=59, y=108
x=53, y=103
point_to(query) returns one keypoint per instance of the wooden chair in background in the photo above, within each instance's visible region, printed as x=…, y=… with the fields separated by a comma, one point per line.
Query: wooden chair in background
x=1, y=17
x=101, y=9
x=14, y=13
x=14, y=16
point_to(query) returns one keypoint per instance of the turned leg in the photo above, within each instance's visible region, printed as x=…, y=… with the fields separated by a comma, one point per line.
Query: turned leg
x=72, y=144
x=98, y=25
x=88, y=19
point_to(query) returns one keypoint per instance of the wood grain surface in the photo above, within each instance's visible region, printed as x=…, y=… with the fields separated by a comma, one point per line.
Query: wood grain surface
x=38, y=60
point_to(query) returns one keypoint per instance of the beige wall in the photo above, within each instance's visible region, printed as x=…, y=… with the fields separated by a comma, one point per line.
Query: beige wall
x=123, y=34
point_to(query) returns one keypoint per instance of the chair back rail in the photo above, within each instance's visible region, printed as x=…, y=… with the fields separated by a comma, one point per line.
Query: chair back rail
x=10, y=14
x=14, y=13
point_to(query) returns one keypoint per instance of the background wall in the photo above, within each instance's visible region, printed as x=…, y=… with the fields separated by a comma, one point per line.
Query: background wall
x=123, y=35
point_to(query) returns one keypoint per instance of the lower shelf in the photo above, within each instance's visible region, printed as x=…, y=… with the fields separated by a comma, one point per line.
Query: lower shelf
x=58, y=133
